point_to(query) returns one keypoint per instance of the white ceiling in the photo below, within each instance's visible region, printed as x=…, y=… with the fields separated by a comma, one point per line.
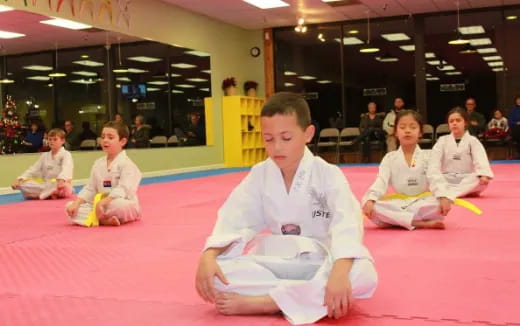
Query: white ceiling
x=242, y=14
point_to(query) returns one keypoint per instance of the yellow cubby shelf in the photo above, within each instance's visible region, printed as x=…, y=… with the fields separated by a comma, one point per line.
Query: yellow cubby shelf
x=242, y=137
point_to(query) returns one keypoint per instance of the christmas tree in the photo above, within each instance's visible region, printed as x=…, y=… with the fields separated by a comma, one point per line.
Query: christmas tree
x=11, y=134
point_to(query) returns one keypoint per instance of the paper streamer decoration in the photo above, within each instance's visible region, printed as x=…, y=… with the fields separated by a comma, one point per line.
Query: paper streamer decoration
x=106, y=5
x=72, y=8
x=89, y=4
x=124, y=12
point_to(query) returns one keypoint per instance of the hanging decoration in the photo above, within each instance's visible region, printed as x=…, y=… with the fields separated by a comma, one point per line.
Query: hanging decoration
x=106, y=5
x=123, y=12
x=11, y=131
x=72, y=8
x=89, y=4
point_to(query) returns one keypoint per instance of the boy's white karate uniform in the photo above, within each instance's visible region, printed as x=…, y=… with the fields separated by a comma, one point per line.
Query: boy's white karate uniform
x=410, y=181
x=119, y=181
x=48, y=169
x=461, y=164
x=292, y=269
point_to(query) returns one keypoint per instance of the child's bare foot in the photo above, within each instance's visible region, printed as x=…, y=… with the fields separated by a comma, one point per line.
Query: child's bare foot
x=429, y=224
x=380, y=223
x=111, y=221
x=236, y=304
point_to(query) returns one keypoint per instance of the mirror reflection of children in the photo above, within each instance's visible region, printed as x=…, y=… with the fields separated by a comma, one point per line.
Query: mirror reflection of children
x=115, y=177
x=461, y=157
x=313, y=263
x=51, y=175
x=406, y=170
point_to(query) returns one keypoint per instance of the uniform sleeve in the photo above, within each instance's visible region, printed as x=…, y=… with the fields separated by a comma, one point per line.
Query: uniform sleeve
x=241, y=217
x=89, y=190
x=346, y=227
x=129, y=180
x=388, y=126
x=67, y=167
x=437, y=182
x=480, y=159
x=380, y=185
x=35, y=171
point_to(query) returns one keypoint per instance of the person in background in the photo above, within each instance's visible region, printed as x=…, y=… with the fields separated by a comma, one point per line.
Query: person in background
x=118, y=117
x=514, y=123
x=196, y=133
x=389, y=122
x=33, y=138
x=87, y=133
x=71, y=136
x=371, y=127
x=477, y=122
x=498, y=127
x=140, y=137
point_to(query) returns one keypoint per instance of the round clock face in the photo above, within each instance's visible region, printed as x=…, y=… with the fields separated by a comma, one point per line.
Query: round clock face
x=255, y=52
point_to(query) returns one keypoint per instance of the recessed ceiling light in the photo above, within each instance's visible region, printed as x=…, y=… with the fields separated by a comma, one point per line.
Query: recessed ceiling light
x=432, y=78
x=5, y=8
x=206, y=71
x=88, y=63
x=136, y=71
x=157, y=82
x=429, y=55
x=395, y=37
x=204, y=89
x=41, y=78
x=480, y=41
x=287, y=84
x=495, y=63
x=267, y=4
x=306, y=77
x=453, y=73
x=428, y=75
x=197, y=80
x=407, y=48
x=144, y=59
x=387, y=59
x=289, y=73
x=353, y=31
x=176, y=91
x=198, y=53
x=511, y=17
x=85, y=73
x=486, y=50
x=324, y=81
x=65, y=23
x=185, y=86
x=9, y=35
x=446, y=68
x=84, y=56
x=124, y=79
x=497, y=69
x=183, y=65
x=468, y=30
x=350, y=40
x=436, y=62
x=83, y=81
x=152, y=89
x=38, y=68
x=492, y=58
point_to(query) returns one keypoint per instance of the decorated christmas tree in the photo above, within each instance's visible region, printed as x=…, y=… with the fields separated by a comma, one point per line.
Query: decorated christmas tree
x=11, y=133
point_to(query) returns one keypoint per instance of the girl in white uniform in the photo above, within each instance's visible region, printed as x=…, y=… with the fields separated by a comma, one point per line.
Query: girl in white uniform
x=51, y=175
x=461, y=158
x=111, y=192
x=406, y=170
x=312, y=261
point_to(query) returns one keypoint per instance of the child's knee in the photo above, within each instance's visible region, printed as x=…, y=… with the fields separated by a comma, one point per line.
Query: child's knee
x=363, y=278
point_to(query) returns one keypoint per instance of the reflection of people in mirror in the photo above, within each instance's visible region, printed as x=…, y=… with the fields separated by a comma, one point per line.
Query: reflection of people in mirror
x=140, y=137
x=196, y=133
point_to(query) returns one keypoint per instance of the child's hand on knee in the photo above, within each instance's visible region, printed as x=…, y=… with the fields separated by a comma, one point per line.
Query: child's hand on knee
x=484, y=180
x=206, y=272
x=368, y=208
x=61, y=184
x=16, y=184
x=72, y=209
x=444, y=206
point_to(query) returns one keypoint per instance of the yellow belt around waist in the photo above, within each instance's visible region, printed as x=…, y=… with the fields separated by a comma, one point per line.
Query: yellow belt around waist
x=92, y=219
x=459, y=202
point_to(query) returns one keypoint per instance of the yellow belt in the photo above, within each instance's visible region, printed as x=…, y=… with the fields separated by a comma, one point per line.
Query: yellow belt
x=92, y=219
x=39, y=180
x=459, y=202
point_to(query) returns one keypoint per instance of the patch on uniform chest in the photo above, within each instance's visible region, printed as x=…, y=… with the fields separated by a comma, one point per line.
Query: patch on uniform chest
x=291, y=229
x=107, y=183
x=412, y=182
x=319, y=205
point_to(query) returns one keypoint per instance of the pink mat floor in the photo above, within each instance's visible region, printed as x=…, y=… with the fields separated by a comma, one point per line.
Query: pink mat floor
x=53, y=273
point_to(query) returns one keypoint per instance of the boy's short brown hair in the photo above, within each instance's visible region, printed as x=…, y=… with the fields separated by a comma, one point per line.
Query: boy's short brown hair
x=287, y=103
x=121, y=128
x=58, y=132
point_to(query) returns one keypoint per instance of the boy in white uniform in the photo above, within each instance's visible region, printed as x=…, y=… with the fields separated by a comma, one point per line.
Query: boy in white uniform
x=406, y=170
x=111, y=192
x=313, y=262
x=461, y=158
x=51, y=175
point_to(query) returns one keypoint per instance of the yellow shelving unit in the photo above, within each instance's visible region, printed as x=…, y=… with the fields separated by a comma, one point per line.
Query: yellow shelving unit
x=242, y=147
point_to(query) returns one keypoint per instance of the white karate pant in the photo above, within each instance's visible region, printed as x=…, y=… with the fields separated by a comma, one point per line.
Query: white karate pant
x=404, y=212
x=464, y=184
x=44, y=190
x=124, y=209
x=297, y=285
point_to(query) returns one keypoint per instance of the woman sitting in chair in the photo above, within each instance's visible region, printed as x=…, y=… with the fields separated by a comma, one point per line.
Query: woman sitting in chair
x=371, y=128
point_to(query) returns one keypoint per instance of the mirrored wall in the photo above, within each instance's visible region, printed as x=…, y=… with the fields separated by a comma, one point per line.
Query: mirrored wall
x=84, y=76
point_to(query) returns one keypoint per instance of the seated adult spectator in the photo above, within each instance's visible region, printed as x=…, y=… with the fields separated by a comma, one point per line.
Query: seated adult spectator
x=33, y=138
x=140, y=136
x=196, y=132
x=371, y=128
x=71, y=136
x=477, y=122
x=119, y=118
x=388, y=124
x=87, y=133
